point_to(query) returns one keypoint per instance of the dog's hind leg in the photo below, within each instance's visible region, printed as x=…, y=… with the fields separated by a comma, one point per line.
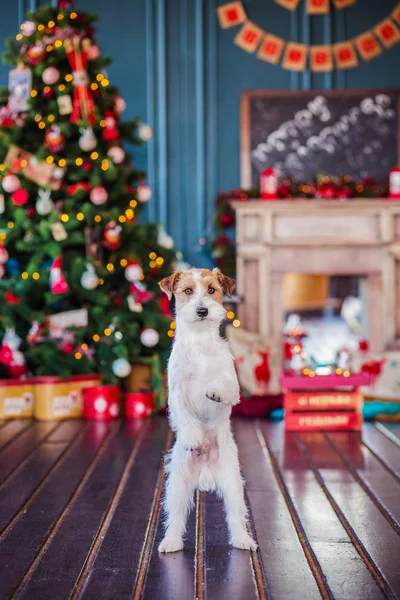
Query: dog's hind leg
x=177, y=503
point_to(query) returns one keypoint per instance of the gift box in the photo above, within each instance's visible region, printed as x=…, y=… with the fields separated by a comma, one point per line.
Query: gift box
x=101, y=402
x=16, y=399
x=56, y=398
x=323, y=421
x=139, y=405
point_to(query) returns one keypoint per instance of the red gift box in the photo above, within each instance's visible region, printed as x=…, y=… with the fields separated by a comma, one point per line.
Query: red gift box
x=101, y=402
x=139, y=405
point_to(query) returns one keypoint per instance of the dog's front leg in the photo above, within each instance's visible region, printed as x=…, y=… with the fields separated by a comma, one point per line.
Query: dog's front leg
x=178, y=501
x=188, y=431
x=224, y=389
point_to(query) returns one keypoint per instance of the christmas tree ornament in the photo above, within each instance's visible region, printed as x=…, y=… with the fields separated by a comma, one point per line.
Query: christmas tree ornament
x=20, y=85
x=2, y=271
x=6, y=356
x=298, y=361
x=138, y=295
x=3, y=254
x=11, y=298
x=64, y=104
x=98, y=195
x=10, y=183
x=133, y=271
x=145, y=132
x=58, y=173
x=28, y=28
x=117, y=154
x=121, y=367
x=59, y=232
x=44, y=204
x=133, y=305
x=119, y=105
x=87, y=140
x=294, y=327
x=54, y=139
x=50, y=75
x=82, y=103
x=149, y=337
x=20, y=197
x=143, y=192
x=36, y=53
x=47, y=92
x=110, y=132
x=2, y=204
x=344, y=359
x=112, y=236
x=33, y=334
x=11, y=339
x=89, y=279
x=58, y=283
x=93, y=52
x=394, y=183
x=269, y=184
x=164, y=240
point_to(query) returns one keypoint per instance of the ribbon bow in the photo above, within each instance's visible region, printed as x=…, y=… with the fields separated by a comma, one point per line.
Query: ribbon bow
x=82, y=104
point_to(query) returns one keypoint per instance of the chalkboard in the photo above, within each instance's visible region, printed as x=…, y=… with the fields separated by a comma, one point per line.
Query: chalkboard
x=302, y=134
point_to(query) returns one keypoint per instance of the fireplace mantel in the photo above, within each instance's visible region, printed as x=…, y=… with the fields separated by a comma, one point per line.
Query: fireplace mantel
x=334, y=237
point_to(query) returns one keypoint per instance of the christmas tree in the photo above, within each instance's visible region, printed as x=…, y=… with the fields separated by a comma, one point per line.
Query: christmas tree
x=79, y=290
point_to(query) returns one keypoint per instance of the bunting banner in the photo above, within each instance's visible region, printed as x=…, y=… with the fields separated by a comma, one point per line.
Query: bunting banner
x=295, y=56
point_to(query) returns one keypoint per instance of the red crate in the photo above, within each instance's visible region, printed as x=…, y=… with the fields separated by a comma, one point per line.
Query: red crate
x=325, y=421
x=323, y=382
x=322, y=400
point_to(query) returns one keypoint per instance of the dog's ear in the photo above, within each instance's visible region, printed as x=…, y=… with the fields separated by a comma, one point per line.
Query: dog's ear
x=168, y=284
x=228, y=284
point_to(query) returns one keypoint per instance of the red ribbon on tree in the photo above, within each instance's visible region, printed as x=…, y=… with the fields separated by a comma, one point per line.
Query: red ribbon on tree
x=82, y=103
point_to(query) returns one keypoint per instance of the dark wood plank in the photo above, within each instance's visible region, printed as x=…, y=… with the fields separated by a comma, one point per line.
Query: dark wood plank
x=64, y=555
x=20, y=543
x=391, y=431
x=370, y=526
x=374, y=480
x=16, y=453
x=66, y=431
x=115, y=567
x=383, y=449
x=279, y=544
x=11, y=430
x=393, y=427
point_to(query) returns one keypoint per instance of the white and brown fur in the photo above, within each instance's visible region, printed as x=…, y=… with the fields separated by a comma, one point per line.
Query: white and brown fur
x=203, y=387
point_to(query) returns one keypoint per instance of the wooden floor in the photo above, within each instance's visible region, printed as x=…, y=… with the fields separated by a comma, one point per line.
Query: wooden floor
x=80, y=515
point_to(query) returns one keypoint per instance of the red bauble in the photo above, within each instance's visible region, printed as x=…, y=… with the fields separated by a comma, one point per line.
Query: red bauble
x=12, y=298
x=6, y=356
x=30, y=211
x=20, y=197
x=87, y=166
x=16, y=371
x=363, y=345
x=117, y=300
x=48, y=92
x=67, y=348
x=327, y=191
x=227, y=219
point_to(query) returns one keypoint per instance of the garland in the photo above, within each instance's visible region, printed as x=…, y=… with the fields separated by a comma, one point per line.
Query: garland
x=222, y=246
x=293, y=56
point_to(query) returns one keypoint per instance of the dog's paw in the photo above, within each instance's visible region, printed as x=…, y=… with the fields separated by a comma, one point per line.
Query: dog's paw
x=243, y=541
x=213, y=395
x=191, y=438
x=171, y=544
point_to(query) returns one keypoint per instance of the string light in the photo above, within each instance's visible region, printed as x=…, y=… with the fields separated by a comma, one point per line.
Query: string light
x=101, y=281
x=152, y=255
x=346, y=373
x=24, y=275
x=339, y=371
x=58, y=43
x=129, y=213
x=2, y=167
x=78, y=355
x=104, y=82
x=40, y=27
x=36, y=275
x=38, y=118
x=99, y=76
x=3, y=236
x=306, y=371
x=60, y=17
x=107, y=331
x=64, y=218
x=102, y=123
x=123, y=262
x=141, y=277
x=122, y=218
x=79, y=162
x=96, y=337
x=171, y=333
x=68, y=77
x=42, y=125
x=104, y=165
x=61, y=87
x=97, y=218
x=51, y=118
x=80, y=216
x=159, y=261
x=230, y=314
x=33, y=93
x=84, y=346
x=62, y=162
x=19, y=37
x=94, y=155
x=236, y=323
x=51, y=24
x=22, y=26
x=110, y=267
x=73, y=15
x=50, y=160
x=172, y=325
x=49, y=48
x=94, y=86
x=47, y=89
x=152, y=264
x=10, y=224
x=24, y=163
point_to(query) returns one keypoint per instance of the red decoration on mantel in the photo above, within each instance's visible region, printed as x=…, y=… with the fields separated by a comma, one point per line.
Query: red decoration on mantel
x=269, y=184
x=101, y=402
x=139, y=405
x=394, y=183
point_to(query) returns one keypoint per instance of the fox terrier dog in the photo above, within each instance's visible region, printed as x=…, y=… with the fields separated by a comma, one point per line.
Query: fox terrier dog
x=203, y=387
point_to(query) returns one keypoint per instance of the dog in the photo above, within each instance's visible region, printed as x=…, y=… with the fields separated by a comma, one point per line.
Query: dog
x=203, y=387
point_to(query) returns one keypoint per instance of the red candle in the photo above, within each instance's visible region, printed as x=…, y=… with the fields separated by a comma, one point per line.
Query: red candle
x=139, y=405
x=394, y=183
x=101, y=402
x=269, y=184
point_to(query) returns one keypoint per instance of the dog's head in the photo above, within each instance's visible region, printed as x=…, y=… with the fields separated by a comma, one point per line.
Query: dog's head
x=198, y=294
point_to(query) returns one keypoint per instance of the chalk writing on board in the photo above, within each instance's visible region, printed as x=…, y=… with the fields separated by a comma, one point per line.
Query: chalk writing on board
x=303, y=135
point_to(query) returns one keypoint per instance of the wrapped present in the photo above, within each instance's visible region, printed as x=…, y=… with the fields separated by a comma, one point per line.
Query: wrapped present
x=326, y=421
x=101, y=402
x=56, y=398
x=16, y=399
x=139, y=405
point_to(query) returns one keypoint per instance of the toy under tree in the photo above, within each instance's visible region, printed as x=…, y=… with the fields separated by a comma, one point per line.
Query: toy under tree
x=79, y=290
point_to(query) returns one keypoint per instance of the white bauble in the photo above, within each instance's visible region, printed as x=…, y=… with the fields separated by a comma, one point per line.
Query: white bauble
x=149, y=337
x=133, y=272
x=98, y=195
x=58, y=173
x=10, y=183
x=119, y=104
x=165, y=240
x=117, y=154
x=50, y=75
x=44, y=204
x=3, y=254
x=143, y=193
x=28, y=27
x=121, y=367
x=145, y=132
x=87, y=141
x=89, y=279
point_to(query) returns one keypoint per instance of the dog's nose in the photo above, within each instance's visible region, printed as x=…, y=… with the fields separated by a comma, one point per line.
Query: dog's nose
x=202, y=311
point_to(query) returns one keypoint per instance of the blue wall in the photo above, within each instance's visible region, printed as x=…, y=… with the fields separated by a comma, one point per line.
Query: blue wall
x=181, y=73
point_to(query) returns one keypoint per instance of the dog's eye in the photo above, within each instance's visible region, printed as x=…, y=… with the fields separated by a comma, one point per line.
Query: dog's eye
x=188, y=291
x=211, y=290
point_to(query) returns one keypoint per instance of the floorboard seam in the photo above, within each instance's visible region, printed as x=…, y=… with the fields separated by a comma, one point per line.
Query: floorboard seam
x=199, y=575
x=370, y=493
x=256, y=562
x=41, y=552
x=309, y=553
x=151, y=527
x=388, y=434
x=7, y=528
x=377, y=455
x=372, y=567
x=16, y=436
